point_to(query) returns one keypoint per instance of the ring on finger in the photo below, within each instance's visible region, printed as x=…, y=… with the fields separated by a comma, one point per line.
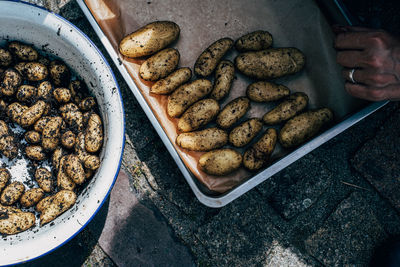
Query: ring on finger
x=351, y=76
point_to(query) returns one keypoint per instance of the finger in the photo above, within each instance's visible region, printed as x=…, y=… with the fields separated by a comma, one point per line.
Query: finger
x=349, y=59
x=345, y=28
x=391, y=92
x=352, y=40
x=374, y=79
x=359, y=29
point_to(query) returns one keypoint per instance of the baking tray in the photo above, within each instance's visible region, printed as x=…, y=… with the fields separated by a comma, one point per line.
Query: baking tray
x=203, y=195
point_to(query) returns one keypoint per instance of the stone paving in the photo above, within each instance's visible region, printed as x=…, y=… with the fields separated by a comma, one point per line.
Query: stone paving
x=332, y=207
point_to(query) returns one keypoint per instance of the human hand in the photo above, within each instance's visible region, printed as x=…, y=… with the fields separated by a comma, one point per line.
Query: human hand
x=375, y=57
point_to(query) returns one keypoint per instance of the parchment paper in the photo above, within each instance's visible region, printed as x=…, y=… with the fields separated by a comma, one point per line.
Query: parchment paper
x=297, y=23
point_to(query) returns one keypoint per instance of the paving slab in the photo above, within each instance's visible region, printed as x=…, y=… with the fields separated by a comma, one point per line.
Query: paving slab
x=348, y=236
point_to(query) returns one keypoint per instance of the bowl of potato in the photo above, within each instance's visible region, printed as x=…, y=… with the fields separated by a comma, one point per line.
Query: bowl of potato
x=61, y=131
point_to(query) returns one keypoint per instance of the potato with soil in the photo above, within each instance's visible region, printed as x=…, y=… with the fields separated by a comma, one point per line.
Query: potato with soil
x=61, y=202
x=232, y=112
x=209, y=59
x=5, y=176
x=74, y=169
x=149, y=39
x=68, y=139
x=12, y=193
x=56, y=157
x=259, y=153
x=289, y=108
x=15, y=222
x=204, y=140
x=159, y=65
x=63, y=180
x=62, y=95
x=242, y=134
x=302, y=127
x=263, y=91
x=10, y=80
x=224, y=75
x=35, y=71
x=5, y=58
x=171, y=82
x=32, y=114
x=15, y=110
x=51, y=134
x=73, y=116
x=35, y=152
x=23, y=51
x=26, y=92
x=94, y=134
x=220, y=162
x=8, y=146
x=92, y=162
x=4, y=130
x=33, y=137
x=44, y=179
x=198, y=115
x=59, y=73
x=44, y=90
x=87, y=104
x=31, y=197
x=270, y=63
x=254, y=41
x=186, y=95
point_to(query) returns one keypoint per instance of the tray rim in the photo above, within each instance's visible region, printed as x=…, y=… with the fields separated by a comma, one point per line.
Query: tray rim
x=224, y=199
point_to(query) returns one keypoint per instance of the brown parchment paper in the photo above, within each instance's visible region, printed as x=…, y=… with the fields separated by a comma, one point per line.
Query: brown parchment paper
x=297, y=23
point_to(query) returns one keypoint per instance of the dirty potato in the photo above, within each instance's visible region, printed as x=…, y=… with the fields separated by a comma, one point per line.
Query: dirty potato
x=79, y=147
x=32, y=137
x=4, y=130
x=56, y=157
x=12, y=193
x=59, y=73
x=68, y=139
x=159, y=65
x=44, y=179
x=220, y=162
x=44, y=90
x=204, y=140
x=31, y=197
x=242, y=134
x=289, y=108
x=74, y=169
x=5, y=58
x=10, y=80
x=224, y=75
x=254, y=41
x=198, y=115
x=270, y=63
x=15, y=222
x=4, y=178
x=259, y=153
x=63, y=180
x=8, y=146
x=24, y=52
x=304, y=126
x=263, y=91
x=32, y=114
x=186, y=95
x=149, y=39
x=209, y=59
x=51, y=134
x=92, y=162
x=62, y=95
x=72, y=115
x=26, y=92
x=60, y=203
x=171, y=82
x=87, y=104
x=44, y=203
x=35, y=71
x=35, y=152
x=233, y=111
x=15, y=110
x=94, y=134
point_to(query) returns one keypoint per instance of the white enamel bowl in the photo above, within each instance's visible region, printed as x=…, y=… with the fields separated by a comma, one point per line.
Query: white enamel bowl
x=27, y=23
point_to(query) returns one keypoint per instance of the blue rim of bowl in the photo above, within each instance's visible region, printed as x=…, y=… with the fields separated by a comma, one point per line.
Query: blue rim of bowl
x=123, y=128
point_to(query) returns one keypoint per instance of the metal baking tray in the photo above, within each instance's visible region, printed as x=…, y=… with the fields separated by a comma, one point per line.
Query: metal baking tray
x=221, y=200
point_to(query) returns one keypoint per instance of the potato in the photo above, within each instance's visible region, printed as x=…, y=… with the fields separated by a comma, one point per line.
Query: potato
x=20, y=67
x=5, y=58
x=204, y=140
x=56, y=157
x=232, y=112
x=198, y=115
x=9, y=209
x=59, y=73
x=8, y=146
x=63, y=180
x=24, y=52
x=31, y=197
x=68, y=139
x=289, y=108
x=209, y=59
x=220, y=161
x=87, y=104
x=51, y=134
x=242, y=134
x=15, y=111
x=254, y=41
x=224, y=75
x=44, y=203
x=35, y=71
x=44, y=90
x=62, y=95
x=171, y=82
x=186, y=95
x=76, y=87
x=92, y=162
x=3, y=107
x=79, y=147
x=41, y=123
x=270, y=63
x=149, y=39
x=74, y=169
x=33, y=137
x=4, y=130
x=26, y=92
x=32, y=114
x=9, y=82
x=15, y=222
x=94, y=134
x=71, y=114
x=263, y=91
x=5, y=176
x=159, y=65
x=61, y=202
x=12, y=193
x=35, y=152
x=259, y=153
x=304, y=126
x=44, y=179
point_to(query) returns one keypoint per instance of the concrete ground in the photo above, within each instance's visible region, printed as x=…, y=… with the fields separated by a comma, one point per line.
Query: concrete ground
x=332, y=207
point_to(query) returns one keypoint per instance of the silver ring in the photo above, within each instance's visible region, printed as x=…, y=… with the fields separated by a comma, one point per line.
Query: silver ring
x=351, y=76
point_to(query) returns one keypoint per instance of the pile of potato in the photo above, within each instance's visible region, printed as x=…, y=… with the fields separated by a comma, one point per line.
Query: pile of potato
x=196, y=102
x=61, y=129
